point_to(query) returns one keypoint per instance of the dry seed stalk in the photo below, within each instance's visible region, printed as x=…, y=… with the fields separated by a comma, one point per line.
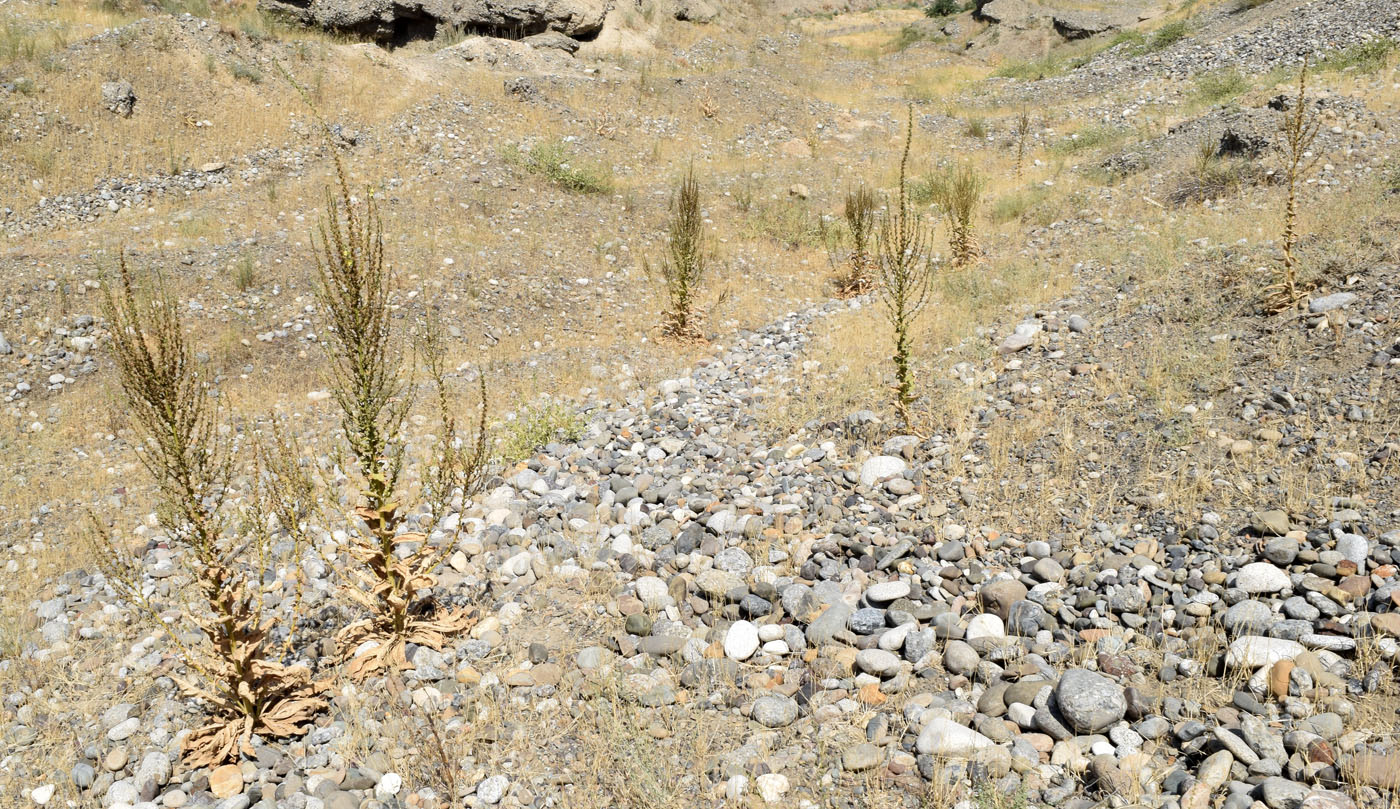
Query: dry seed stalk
x=1023, y=128
x=905, y=272
x=1299, y=129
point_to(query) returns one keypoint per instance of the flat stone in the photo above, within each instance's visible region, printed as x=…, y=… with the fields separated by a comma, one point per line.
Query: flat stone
x=226, y=781
x=878, y=662
x=985, y=625
x=1255, y=652
x=886, y=591
x=946, y=738
x=1337, y=300
x=1281, y=793
x=863, y=756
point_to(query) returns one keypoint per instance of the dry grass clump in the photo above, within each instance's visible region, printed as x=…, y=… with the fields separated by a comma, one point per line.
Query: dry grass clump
x=856, y=276
x=684, y=266
x=396, y=567
x=187, y=449
x=905, y=271
x=1212, y=176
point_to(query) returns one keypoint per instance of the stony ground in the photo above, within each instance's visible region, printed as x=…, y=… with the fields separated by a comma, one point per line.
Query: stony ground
x=1139, y=547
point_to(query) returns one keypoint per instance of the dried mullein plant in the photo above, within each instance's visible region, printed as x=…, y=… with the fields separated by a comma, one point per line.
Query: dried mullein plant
x=1298, y=129
x=684, y=266
x=958, y=191
x=904, y=270
x=239, y=671
x=1023, y=128
x=394, y=577
x=858, y=275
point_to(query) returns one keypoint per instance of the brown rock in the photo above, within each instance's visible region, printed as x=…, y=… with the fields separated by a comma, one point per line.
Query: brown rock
x=870, y=694
x=1278, y=678
x=1387, y=623
x=998, y=596
x=1380, y=770
x=226, y=781
x=547, y=674
x=1197, y=797
x=1358, y=586
x=1320, y=752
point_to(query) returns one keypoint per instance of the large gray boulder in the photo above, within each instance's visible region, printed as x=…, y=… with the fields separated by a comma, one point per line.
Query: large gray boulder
x=394, y=22
x=1015, y=13
x=1075, y=24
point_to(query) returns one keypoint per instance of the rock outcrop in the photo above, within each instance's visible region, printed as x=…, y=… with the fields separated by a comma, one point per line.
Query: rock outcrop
x=393, y=22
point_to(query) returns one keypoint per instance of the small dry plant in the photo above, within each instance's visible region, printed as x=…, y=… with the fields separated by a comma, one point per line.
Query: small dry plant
x=239, y=672
x=1023, y=128
x=905, y=272
x=684, y=266
x=395, y=574
x=957, y=192
x=1299, y=129
x=857, y=275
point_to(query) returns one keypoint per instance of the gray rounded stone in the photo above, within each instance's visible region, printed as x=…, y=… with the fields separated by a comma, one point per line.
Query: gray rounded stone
x=774, y=710
x=1089, y=701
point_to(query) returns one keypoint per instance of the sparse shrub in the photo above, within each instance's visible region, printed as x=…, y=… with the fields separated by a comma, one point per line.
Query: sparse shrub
x=1390, y=178
x=550, y=160
x=1016, y=205
x=1091, y=137
x=1298, y=129
x=244, y=275
x=976, y=128
x=910, y=35
x=957, y=192
x=537, y=425
x=1167, y=35
x=238, y=670
x=1221, y=85
x=942, y=8
x=905, y=273
x=1034, y=69
x=246, y=72
x=682, y=269
x=1246, y=5
x=393, y=580
x=857, y=276
x=743, y=195
x=1367, y=57
x=1213, y=176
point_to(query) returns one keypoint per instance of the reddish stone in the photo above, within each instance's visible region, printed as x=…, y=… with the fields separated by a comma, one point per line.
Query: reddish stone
x=1381, y=770
x=1357, y=586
